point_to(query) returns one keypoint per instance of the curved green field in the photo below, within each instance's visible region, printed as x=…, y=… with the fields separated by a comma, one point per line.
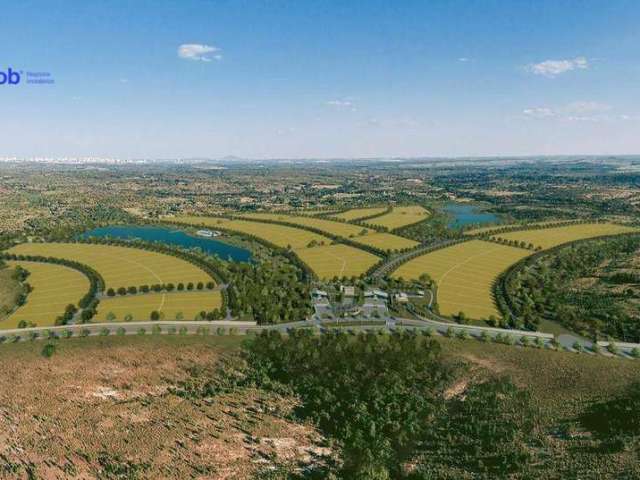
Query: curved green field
x=552, y=237
x=401, y=217
x=464, y=274
x=54, y=287
x=120, y=266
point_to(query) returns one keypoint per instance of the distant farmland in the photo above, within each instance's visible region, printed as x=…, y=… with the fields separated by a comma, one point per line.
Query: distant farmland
x=480, y=230
x=345, y=230
x=54, y=287
x=120, y=266
x=358, y=213
x=324, y=259
x=355, y=233
x=401, y=217
x=464, y=274
x=189, y=304
x=551, y=237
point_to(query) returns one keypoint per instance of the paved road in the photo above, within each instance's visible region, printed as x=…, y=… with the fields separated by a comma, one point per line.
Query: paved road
x=242, y=328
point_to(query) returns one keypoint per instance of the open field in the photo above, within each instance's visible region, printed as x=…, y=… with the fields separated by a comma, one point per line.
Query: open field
x=280, y=235
x=464, y=274
x=120, y=266
x=358, y=213
x=54, y=287
x=168, y=304
x=385, y=241
x=337, y=260
x=551, y=237
x=345, y=230
x=477, y=231
x=401, y=217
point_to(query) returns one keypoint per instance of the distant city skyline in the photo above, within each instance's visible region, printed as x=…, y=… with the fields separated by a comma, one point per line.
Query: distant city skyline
x=198, y=79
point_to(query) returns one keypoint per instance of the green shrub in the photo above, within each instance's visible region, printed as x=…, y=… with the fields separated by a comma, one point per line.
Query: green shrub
x=48, y=350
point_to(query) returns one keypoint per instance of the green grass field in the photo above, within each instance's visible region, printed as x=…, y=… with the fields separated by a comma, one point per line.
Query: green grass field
x=54, y=287
x=280, y=235
x=551, y=237
x=120, y=266
x=344, y=259
x=401, y=217
x=337, y=260
x=345, y=230
x=464, y=274
x=168, y=304
x=478, y=231
x=358, y=213
x=349, y=231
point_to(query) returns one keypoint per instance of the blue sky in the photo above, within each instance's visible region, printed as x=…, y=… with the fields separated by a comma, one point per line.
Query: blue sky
x=276, y=79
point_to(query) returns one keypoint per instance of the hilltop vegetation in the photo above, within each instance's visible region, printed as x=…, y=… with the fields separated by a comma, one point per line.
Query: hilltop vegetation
x=591, y=288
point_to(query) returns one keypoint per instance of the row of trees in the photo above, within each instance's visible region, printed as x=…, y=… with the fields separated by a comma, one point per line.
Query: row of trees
x=160, y=287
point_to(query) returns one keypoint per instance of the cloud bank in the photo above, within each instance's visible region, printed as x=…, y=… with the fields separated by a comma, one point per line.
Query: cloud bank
x=198, y=52
x=553, y=68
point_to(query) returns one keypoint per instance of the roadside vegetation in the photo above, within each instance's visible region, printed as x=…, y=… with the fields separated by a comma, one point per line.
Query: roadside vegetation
x=12, y=292
x=590, y=288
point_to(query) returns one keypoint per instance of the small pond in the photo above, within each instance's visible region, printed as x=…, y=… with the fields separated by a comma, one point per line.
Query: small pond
x=463, y=214
x=172, y=236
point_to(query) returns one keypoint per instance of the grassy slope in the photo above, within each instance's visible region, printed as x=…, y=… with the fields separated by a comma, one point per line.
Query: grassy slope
x=55, y=403
x=69, y=417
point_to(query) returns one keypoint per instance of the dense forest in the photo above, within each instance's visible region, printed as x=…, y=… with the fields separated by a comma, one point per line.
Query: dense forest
x=585, y=287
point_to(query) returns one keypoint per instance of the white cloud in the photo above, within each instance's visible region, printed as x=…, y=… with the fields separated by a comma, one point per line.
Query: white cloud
x=587, y=107
x=553, y=68
x=539, y=112
x=344, y=104
x=199, y=52
x=576, y=111
x=463, y=59
x=340, y=103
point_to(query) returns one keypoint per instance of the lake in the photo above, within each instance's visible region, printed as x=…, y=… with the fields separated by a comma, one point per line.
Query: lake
x=464, y=214
x=172, y=236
